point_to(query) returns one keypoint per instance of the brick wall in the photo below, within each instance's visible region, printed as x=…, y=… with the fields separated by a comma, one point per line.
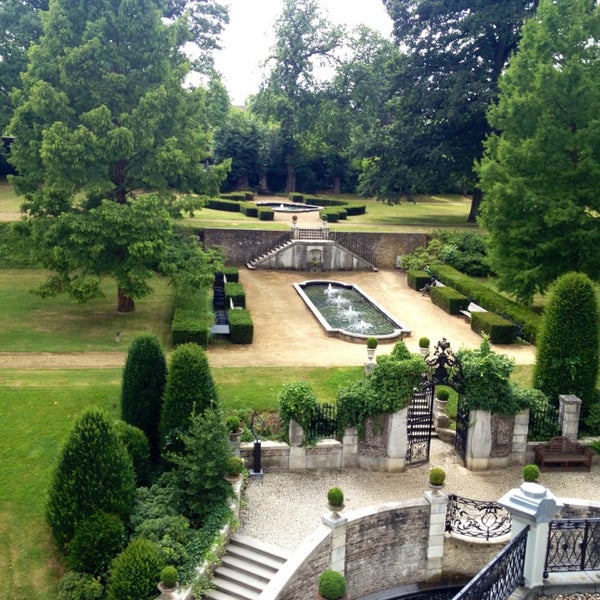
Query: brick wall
x=240, y=243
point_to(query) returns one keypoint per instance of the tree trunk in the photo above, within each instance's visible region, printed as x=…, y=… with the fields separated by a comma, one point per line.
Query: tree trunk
x=242, y=183
x=124, y=303
x=475, y=203
x=337, y=184
x=263, y=185
x=290, y=184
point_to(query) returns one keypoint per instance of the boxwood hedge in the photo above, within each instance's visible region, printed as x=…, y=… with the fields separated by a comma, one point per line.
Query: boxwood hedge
x=241, y=327
x=448, y=299
x=500, y=330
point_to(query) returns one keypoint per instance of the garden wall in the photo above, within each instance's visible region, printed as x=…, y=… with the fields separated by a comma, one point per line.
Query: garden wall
x=239, y=244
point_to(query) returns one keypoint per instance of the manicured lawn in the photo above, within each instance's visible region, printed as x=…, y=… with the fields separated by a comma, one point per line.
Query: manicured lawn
x=34, y=324
x=37, y=411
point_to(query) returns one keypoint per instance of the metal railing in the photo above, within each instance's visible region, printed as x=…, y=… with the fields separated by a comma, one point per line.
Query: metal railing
x=543, y=423
x=324, y=423
x=476, y=518
x=265, y=247
x=502, y=576
x=348, y=241
x=573, y=545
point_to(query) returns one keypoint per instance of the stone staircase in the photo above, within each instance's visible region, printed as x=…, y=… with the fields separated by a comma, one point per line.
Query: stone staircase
x=246, y=568
x=252, y=264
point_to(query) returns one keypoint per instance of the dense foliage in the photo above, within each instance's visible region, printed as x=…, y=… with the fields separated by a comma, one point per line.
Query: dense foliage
x=136, y=444
x=199, y=469
x=94, y=473
x=135, y=572
x=103, y=113
x=97, y=540
x=144, y=378
x=567, y=348
x=540, y=170
x=297, y=401
x=190, y=389
x=487, y=383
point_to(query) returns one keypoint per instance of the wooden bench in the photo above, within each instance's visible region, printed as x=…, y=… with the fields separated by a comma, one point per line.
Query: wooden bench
x=563, y=453
x=471, y=309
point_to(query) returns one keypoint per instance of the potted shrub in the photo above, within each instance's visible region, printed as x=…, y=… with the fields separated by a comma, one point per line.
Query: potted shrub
x=168, y=579
x=232, y=422
x=234, y=466
x=424, y=345
x=372, y=344
x=531, y=473
x=335, y=499
x=332, y=586
x=437, y=477
x=442, y=395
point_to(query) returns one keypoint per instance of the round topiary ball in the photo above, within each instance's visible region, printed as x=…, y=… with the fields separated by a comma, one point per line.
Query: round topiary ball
x=332, y=585
x=531, y=473
x=169, y=576
x=437, y=476
x=335, y=496
x=443, y=395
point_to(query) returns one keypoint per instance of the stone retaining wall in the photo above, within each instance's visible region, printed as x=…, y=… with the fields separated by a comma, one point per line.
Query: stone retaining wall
x=239, y=244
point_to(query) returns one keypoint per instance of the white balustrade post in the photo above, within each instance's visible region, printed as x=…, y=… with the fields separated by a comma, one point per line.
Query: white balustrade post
x=534, y=506
x=570, y=407
x=437, y=528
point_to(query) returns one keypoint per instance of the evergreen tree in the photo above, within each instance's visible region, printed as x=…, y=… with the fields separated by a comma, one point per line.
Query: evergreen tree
x=567, y=346
x=200, y=468
x=540, y=171
x=144, y=378
x=135, y=572
x=94, y=473
x=190, y=389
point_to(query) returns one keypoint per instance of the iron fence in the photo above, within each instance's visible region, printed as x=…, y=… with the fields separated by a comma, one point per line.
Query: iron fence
x=350, y=242
x=265, y=247
x=544, y=423
x=476, y=518
x=324, y=423
x=573, y=545
x=502, y=576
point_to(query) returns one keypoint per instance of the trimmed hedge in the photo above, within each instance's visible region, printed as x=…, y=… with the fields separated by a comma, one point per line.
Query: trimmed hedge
x=235, y=291
x=354, y=208
x=331, y=214
x=265, y=213
x=527, y=321
x=241, y=327
x=192, y=317
x=417, y=280
x=232, y=274
x=249, y=209
x=226, y=205
x=500, y=330
x=295, y=197
x=237, y=196
x=448, y=299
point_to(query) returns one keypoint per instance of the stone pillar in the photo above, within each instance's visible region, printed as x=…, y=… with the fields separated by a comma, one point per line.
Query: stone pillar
x=570, y=407
x=297, y=451
x=350, y=448
x=397, y=442
x=533, y=505
x=437, y=527
x=338, y=526
x=519, y=440
x=479, y=440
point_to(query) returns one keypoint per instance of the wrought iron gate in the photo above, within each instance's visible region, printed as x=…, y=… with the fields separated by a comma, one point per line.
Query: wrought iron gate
x=462, y=429
x=420, y=424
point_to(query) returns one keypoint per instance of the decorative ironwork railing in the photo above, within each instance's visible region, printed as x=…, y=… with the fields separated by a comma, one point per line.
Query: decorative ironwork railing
x=502, y=576
x=544, y=423
x=324, y=423
x=311, y=234
x=476, y=518
x=573, y=545
x=266, y=247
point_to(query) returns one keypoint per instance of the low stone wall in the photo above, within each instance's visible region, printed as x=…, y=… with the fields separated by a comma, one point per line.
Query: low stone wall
x=239, y=244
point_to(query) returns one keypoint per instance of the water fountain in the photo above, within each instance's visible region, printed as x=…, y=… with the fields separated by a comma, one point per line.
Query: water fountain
x=346, y=311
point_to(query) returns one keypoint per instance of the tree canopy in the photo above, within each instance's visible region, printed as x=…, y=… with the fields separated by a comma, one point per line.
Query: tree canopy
x=435, y=124
x=542, y=166
x=104, y=114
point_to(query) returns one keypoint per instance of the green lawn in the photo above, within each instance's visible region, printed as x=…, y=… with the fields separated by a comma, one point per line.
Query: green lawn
x=36, y=414
x=29, y=323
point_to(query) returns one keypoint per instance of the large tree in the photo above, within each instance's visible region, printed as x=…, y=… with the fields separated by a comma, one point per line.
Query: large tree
x=541, y=170
x=20, y=26
x=102, y=115
x=304, y=39
x=435, y=126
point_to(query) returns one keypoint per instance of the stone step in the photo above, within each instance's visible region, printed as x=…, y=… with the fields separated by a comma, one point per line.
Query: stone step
x=259, y=571
x=243, y=578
